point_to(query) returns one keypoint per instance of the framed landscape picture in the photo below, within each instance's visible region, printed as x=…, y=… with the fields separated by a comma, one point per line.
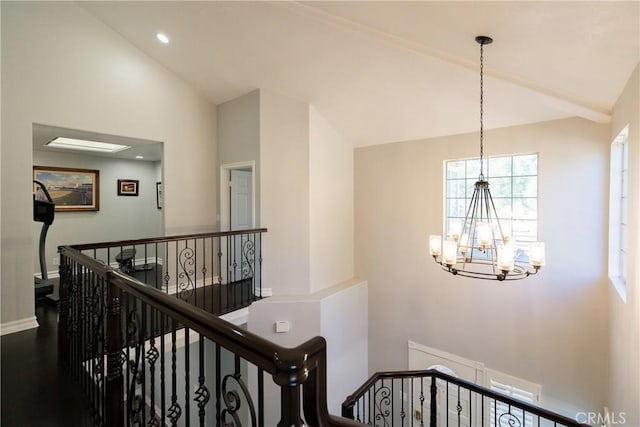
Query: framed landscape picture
x=71, y=189
x=128, y=187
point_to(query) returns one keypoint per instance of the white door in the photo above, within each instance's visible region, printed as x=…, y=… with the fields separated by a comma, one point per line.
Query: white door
x=241, y=199
x=241, y=214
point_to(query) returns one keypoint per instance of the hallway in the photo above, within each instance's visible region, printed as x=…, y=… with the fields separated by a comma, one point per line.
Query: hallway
x=34, y=391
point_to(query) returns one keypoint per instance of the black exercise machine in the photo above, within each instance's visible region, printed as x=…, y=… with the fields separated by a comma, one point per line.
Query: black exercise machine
x=43, y=211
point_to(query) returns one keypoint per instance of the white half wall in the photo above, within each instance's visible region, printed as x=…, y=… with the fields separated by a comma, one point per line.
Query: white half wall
x=62, y=67
x=551, y=328
x=339, y=314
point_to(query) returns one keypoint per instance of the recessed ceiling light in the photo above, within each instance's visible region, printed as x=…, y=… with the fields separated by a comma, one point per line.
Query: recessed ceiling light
x=139, y=157
x=163, y=38
x=81, y=144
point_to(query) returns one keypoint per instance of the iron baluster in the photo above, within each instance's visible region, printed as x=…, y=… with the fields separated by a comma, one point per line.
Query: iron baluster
x=152, y=356
x=174, y=411
x=433, y=403
x=260, y=397
x=218, y=385
x=202, y=393
x=186, y=375
x=114, y=410
x=163, y=321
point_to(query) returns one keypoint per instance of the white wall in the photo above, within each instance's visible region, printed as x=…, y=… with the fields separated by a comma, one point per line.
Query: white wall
x=347, y=340
x=62, y=67
x=551, y=328
x=330, y=204
x=238, y=136
x=119, y=217
x=284, y=182
x=624, y=330
x=339, y=314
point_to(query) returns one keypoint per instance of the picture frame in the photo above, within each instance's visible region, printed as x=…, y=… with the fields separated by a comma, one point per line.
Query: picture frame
x=159, y=196
x=128, y=187
x=72, y=189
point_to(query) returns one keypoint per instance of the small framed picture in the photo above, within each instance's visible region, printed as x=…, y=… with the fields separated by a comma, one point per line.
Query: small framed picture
x=159, y=195
x=127, y=187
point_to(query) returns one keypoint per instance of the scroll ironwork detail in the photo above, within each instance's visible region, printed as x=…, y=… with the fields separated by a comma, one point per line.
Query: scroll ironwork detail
x=232, y=401
x=382, y=401
x=186, y=285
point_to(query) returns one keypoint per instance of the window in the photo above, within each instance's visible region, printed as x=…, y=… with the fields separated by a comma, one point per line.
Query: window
x=503, y=414
x=513, y=181
x=618, y=208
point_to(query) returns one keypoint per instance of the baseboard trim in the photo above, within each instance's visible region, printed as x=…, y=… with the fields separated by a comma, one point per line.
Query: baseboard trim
x=18, y=325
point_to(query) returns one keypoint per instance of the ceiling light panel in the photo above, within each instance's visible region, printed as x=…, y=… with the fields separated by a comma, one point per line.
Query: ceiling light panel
x=85, y=145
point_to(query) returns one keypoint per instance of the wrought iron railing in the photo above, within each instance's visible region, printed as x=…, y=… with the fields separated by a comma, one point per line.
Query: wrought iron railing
x=433, y=398
x=144, y=357
x=218, y=272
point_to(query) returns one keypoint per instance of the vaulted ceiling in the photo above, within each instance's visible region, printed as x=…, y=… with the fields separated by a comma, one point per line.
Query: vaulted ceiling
x=390, y=71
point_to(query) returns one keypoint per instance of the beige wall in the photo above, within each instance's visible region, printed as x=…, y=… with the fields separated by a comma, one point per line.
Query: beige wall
x=62, y=67
x=330, y=204
x=238, y=136
x=284, y=181
x=624, y=346
x=551, y=328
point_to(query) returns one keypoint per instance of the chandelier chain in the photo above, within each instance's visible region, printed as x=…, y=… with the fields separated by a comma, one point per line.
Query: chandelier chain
x=481, y=109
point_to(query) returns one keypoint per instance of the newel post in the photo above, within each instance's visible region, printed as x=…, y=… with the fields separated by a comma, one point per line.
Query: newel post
x=290, y=374
x=114, y=405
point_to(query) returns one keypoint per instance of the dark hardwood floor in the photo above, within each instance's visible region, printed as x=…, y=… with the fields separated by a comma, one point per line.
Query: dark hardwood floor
x=34, y=391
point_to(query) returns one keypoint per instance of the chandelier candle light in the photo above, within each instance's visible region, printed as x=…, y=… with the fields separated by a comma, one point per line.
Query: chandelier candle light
x=478, y=247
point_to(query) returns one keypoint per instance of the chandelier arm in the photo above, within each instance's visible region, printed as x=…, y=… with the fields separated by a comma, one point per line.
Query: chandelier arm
x=495, y=211
x=470, y=219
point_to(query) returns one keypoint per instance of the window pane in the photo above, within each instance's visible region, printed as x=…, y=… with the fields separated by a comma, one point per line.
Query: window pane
x=500, y=187
x=471, y=185
x=503, y=208
x=455, y=169
x=525, y=208
x=455, y=188
x=456, y=208
x=524, y=230
x=525, y=165
x=500, y=166
x=473, y=168
x=525, y=186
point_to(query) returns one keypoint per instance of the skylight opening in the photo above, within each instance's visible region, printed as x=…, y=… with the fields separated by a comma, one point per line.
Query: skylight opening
x=85, y=145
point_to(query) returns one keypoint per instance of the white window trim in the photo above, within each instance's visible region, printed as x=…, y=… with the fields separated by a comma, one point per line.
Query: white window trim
x=619, y=164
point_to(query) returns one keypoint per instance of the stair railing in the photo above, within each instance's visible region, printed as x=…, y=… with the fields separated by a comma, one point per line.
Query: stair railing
x=144, y=357
x=433, y=398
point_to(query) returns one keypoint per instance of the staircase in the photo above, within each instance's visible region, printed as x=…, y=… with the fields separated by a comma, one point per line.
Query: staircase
x=148, y=348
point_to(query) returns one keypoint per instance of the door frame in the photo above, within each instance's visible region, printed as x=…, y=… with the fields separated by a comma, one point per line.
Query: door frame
x=225, y=192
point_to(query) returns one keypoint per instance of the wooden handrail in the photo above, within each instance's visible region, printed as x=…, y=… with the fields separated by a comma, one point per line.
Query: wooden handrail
x=213, y=234
x=433, y=373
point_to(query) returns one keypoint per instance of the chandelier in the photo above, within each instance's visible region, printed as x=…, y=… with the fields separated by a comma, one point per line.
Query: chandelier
x=479, y=247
